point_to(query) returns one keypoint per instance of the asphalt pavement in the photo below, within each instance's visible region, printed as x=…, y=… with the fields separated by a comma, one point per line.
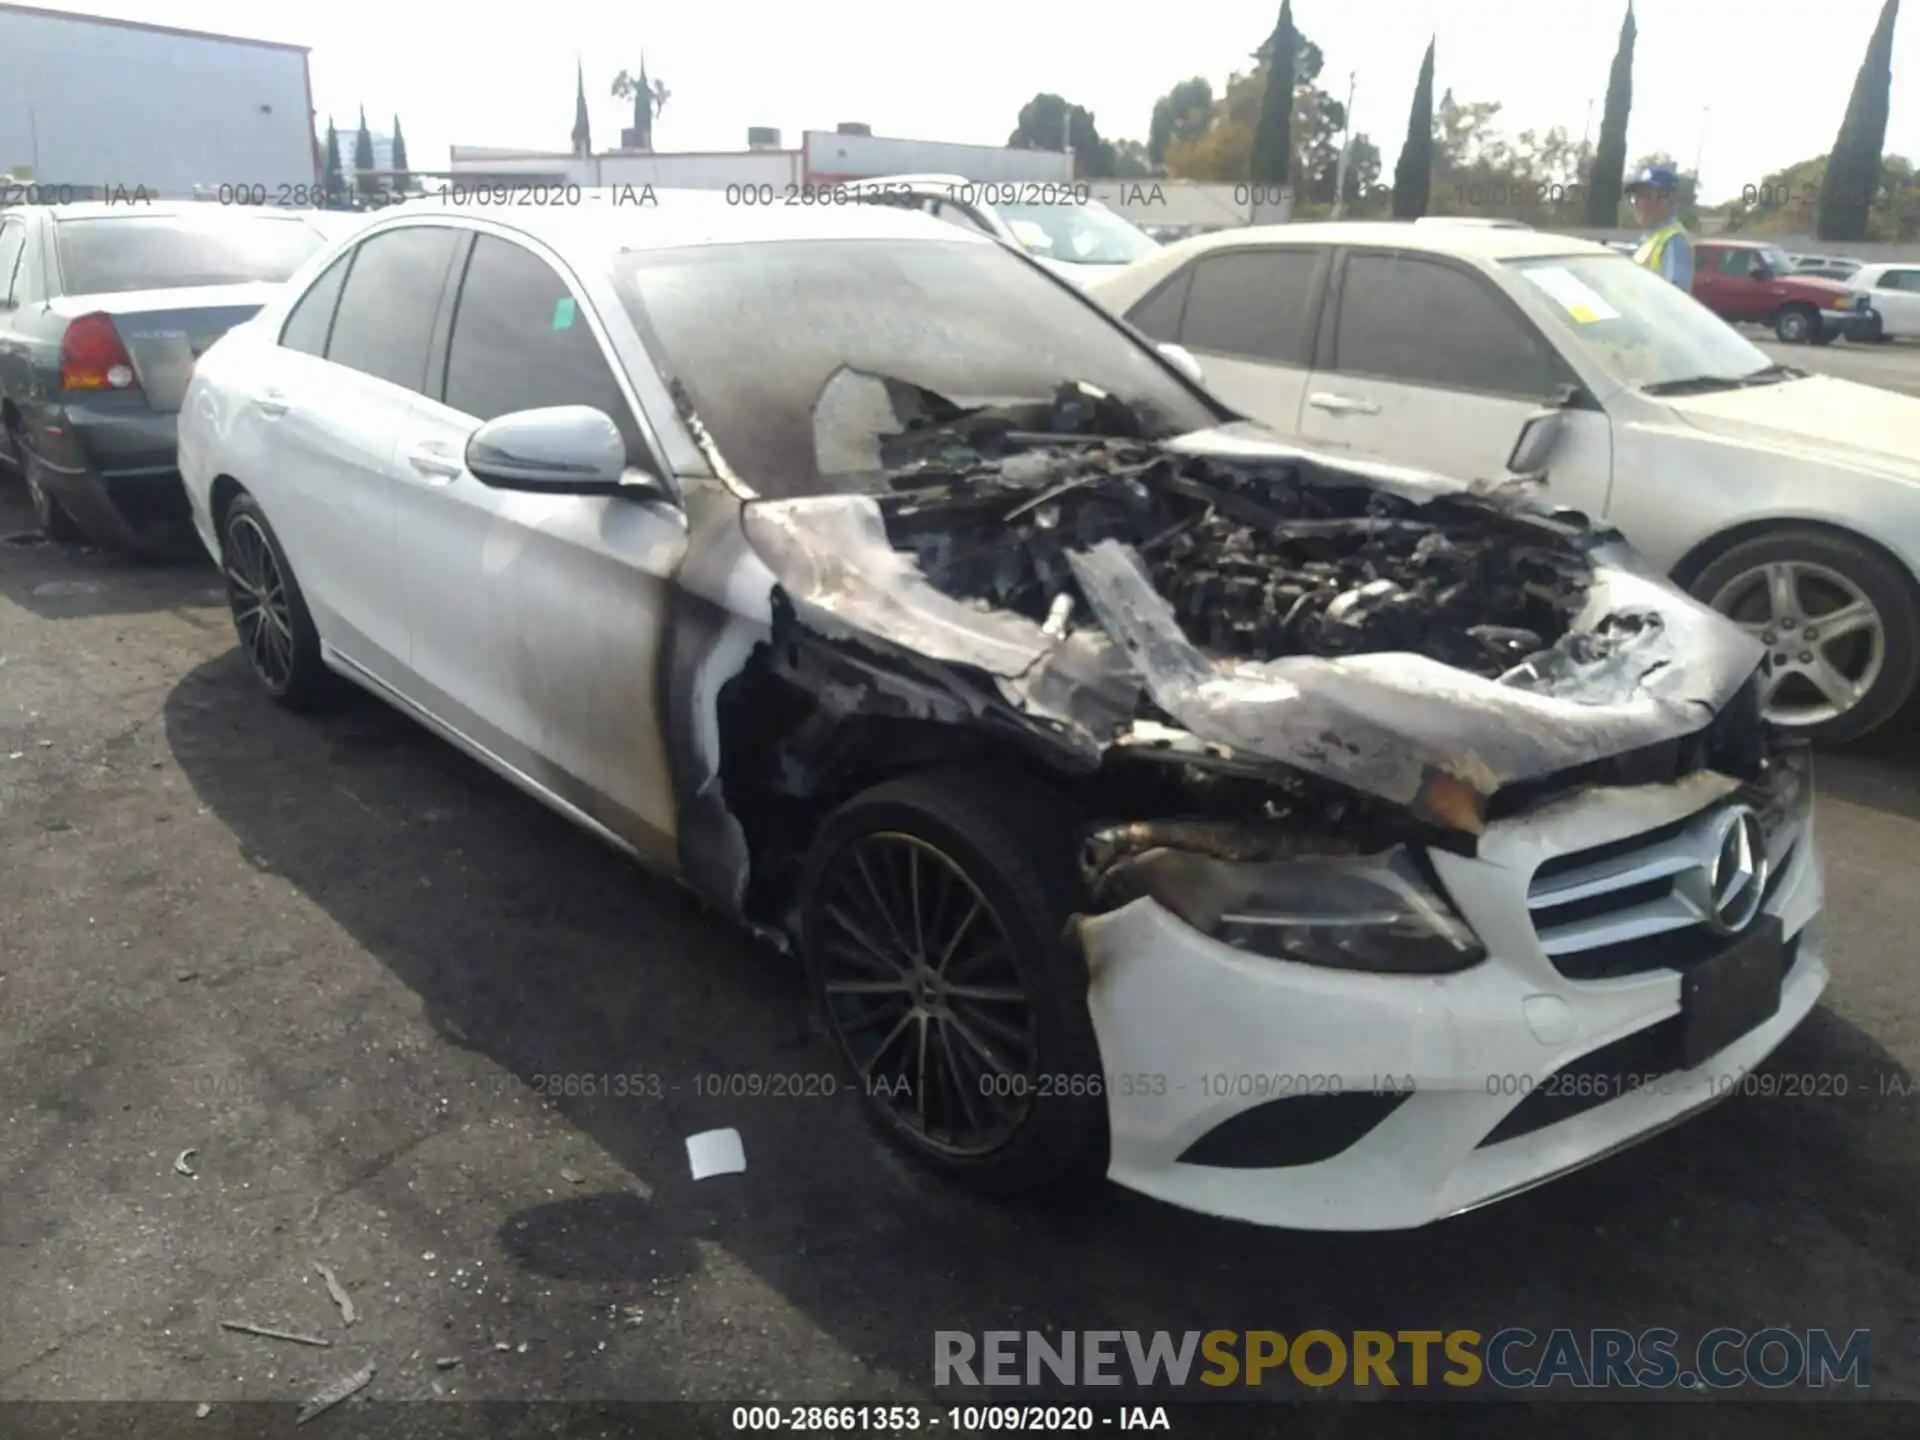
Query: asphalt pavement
x=1892, y=366
x=279, y=993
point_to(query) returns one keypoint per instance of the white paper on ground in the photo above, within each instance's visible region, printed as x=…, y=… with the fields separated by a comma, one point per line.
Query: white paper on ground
x=1574, y=295
x=715, y=1152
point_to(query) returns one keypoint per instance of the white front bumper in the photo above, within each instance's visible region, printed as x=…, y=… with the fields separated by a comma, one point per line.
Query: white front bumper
x=1193, y=1032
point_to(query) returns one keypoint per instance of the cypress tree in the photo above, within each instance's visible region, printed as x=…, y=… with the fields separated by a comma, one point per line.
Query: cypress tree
x=1413, y=175
x=1853, y=169
x=1272, y=159
x=1610, y=155
x=402, y=182
x=335, y=180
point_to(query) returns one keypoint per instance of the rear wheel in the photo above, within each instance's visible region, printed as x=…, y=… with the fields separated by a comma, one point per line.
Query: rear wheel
x=934, y=911
x=1839, y=623
x=270, y=615
x=1796, y=324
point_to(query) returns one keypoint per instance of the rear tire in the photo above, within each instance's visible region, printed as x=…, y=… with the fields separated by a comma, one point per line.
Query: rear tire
x=270, y=616
x=1738, y=573
x=54, y=521
x=1009, y=1099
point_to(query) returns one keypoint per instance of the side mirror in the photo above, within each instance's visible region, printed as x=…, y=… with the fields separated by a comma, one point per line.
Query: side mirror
x=563, y=450
x=1183, y=360
x=1536, y=442
x=1760, y=272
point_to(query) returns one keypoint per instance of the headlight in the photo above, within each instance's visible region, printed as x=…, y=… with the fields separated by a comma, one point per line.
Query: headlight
x=1843, y=302
x=1373, y=912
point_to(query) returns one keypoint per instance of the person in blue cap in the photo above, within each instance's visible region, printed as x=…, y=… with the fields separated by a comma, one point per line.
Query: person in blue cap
x=1664, y=246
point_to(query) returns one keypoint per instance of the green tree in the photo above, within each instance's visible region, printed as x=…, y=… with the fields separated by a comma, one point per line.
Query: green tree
x=402, y=181
x=1047, y=120
x=1787, y=201
x=1607, y=172
x=335, y=180
x=1853, y=168
x=363, y=164
x=1413, y=172
x=582, y=131
x=1132, y=162
x=1182, y=114
x=1221, y=150
x=649, y=98
x=1271, y=162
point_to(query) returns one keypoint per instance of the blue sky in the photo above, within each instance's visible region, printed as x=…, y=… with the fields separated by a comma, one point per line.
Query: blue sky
x=1767, y=83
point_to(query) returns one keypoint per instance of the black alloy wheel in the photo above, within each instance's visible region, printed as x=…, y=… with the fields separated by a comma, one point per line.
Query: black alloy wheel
x=270, y=616
x=934, y=916
x=257, y=593
x=923, y=994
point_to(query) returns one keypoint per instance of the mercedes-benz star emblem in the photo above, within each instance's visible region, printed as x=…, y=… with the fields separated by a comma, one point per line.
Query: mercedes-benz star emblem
x=1736, y=869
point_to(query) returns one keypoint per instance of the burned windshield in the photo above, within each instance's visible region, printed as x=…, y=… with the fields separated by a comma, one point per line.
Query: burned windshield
x=800, y=357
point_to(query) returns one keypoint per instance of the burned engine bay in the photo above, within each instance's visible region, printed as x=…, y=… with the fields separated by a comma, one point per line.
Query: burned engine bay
x=1229, y=631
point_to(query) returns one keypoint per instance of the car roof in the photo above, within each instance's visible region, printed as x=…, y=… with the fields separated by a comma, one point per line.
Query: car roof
x=1489, y=242
x=188, y=209
x=637, y=218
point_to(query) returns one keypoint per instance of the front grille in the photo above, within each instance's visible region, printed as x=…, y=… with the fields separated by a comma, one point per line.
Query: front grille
x=1615, y=909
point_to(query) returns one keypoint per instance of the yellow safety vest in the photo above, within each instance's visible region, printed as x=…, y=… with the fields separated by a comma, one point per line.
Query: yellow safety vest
x=1655, y=245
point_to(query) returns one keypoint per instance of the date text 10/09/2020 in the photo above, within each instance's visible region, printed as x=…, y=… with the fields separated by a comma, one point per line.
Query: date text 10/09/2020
x=961, y=1419
x=458, y=194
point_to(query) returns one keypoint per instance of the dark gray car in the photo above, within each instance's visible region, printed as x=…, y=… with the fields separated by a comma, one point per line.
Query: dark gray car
x=103, y=310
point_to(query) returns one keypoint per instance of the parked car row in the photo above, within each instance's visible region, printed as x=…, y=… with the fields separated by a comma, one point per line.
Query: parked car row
x=104, y=309
x=1784, y=499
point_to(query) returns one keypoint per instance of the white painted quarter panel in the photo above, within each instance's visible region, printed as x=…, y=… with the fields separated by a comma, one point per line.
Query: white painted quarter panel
x=324, y=475
x=319, y=468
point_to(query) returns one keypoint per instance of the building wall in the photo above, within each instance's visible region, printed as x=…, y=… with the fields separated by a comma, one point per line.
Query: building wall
x=825, y=157
x=767, y=171
x=830, y=156
x=93, y=103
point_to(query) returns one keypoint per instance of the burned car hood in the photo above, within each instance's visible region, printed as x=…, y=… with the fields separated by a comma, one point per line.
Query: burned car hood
x=1237, y=596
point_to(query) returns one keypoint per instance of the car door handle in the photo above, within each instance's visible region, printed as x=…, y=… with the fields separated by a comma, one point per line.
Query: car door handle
x=1342, y=404
x=272, y=402
x=431, y=458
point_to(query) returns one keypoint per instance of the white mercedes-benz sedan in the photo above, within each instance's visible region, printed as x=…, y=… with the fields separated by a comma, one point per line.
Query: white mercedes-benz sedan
x=1297, y=839
x=1788, y=501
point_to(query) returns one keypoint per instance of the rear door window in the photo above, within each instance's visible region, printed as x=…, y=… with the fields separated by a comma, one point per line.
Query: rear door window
x=1407, y=318
x=112, y=255
x=13, y=240
x=384, y=324
x=307, y=327
x=520, y=343
x=1255, y=304
x=1160, y=313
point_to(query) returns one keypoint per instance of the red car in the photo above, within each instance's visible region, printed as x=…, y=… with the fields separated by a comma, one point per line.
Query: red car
x=1750, y=282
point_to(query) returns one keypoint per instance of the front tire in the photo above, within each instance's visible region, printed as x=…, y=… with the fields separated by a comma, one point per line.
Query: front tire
x=1796, y=325
x=1839, y=622
x=270, y=616
x=933, y=920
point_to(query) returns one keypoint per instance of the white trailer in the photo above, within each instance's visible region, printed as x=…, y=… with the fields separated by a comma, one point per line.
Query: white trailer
x=832, y=155
x=89, y=104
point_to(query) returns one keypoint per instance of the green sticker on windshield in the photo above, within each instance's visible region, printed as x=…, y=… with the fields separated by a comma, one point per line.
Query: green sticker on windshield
x=563, y=313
